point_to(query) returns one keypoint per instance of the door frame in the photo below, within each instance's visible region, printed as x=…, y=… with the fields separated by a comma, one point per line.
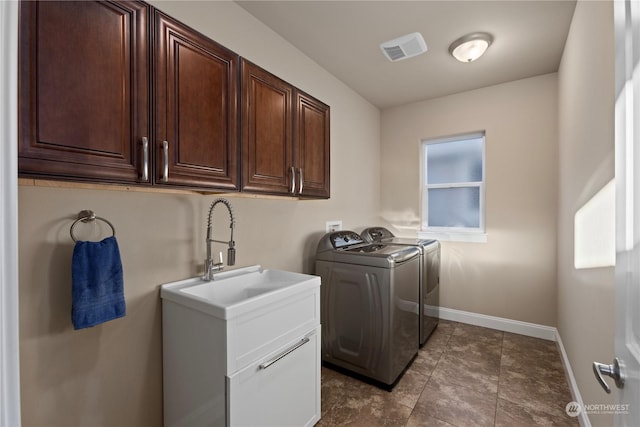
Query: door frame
x=9, y=320
x=627, y=29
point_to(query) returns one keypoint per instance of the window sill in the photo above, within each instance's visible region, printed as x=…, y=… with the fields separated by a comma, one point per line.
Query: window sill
x=453, y=236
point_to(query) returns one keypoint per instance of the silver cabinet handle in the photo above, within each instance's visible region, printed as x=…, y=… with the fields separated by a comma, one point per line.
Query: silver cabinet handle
x=613, y=371
x=291, y=349
x=293, y=180
x=145, y=159
x=301, y=181
x=165, y=168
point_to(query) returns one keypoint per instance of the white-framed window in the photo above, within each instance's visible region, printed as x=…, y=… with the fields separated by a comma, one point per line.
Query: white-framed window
x=453, y=188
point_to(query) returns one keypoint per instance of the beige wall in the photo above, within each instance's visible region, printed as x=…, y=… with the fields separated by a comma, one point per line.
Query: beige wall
x=513, y=274
x=111, y=375
x=586, y=141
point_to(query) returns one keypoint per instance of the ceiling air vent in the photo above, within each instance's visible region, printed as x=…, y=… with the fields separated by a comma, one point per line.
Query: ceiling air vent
x=404, y=47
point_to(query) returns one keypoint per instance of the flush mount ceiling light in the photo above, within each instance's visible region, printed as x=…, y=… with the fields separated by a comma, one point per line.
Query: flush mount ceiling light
x=404, y=47
x=470, y=47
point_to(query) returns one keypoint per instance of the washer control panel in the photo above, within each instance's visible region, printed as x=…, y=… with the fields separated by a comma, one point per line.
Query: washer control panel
x=376, y=234
x=343, y=239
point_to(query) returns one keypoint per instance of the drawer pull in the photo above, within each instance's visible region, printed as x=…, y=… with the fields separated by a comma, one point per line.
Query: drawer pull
x=301, y=181
x=165, y=168
x=291, y=349
x=145, y=159
x=293, y=180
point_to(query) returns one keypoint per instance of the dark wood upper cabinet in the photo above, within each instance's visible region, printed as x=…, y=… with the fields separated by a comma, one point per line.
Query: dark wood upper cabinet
x=312, y=148
x=118, y=92
x=267, y=131
x=84, y=97
x=85, y=104
x=196, y=108
x=285, y=137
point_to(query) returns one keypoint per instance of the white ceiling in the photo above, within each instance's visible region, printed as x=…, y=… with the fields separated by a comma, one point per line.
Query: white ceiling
x=344, y=38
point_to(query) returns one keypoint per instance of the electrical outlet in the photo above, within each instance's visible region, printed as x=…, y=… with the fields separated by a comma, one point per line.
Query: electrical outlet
x=332, y=226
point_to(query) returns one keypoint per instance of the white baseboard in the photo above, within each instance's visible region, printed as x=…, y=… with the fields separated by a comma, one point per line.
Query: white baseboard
x=583, y=419
x=499, y=323
x=523, y=328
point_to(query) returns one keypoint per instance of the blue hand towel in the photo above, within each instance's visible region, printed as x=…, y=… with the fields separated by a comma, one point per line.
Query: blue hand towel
x=97, y=284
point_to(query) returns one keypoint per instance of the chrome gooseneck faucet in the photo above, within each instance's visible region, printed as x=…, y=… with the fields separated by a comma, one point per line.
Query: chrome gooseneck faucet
x=209, y=266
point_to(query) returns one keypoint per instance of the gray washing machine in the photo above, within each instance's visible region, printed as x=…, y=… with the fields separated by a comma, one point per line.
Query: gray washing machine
x=369, y=305
x=429, y=274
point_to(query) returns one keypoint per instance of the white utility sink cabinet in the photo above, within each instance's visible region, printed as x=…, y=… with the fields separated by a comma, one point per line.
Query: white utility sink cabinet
x=250, y=361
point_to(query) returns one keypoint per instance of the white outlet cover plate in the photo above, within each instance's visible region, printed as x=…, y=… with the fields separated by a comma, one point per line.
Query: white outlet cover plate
x=332, y=226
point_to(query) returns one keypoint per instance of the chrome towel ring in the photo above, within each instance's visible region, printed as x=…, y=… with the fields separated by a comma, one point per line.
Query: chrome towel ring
x=88, y=216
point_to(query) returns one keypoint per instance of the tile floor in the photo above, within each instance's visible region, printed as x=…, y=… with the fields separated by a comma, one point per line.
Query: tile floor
x=463, y=376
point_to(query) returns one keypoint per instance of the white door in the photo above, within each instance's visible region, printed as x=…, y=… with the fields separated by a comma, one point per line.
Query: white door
x=9, y=341
x=626, y=367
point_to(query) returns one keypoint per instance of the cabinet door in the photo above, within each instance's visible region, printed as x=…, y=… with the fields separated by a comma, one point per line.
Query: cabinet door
x=283, y=389
x=312, y=146
x=266, y=131
x=83, y=90
x=196, y=109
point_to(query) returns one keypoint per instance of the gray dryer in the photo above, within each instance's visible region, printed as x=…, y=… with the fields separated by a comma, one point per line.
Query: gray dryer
x=429, y=274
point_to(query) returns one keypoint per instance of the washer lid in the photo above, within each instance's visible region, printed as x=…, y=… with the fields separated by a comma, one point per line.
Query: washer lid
x=374, y=255
x=409, y=241
x=398, y=252
x=382, y=235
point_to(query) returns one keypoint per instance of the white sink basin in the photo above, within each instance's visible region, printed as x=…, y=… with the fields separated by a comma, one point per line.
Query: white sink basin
x=235, y=292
